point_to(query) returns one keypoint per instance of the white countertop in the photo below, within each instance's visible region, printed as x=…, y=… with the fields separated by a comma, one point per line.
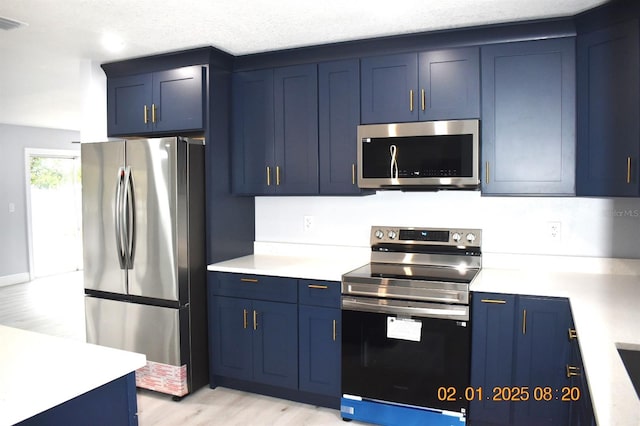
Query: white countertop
x=604, y=304
x=39, y=372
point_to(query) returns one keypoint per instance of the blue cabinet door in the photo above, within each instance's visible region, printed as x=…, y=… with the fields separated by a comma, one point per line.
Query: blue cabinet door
x=492, y=348
x=389, y=88
x=449, y=84
x=231, y=332
x=275, y=343
x=296, y=129
x=178, y=101
x=253, y=153
x=160, y=102
x=339, y=116
x=128, y=104
x=608, y=109
x=528, y=117
x=320, y=344
x=543, y=352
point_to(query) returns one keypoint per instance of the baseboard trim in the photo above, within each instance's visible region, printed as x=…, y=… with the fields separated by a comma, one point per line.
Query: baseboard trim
x=14, y=279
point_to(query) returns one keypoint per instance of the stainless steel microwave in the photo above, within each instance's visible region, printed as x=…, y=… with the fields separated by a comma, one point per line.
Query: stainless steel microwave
x=423, y=155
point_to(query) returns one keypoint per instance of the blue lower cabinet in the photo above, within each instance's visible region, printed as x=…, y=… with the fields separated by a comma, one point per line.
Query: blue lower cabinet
x=113, y=403
x=395, y=415
x=522, y=350
x=543, y=351
x=254, y=340
x=320, y=342
x=492, y=344
x=275, y=343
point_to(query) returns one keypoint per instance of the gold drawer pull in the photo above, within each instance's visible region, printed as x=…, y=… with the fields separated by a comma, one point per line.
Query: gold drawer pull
x=249, y=280
x=268, y=176
x=320, y=287
x=496, y=301
x=146, y=114
x=572, y=371
x=244, y=318
x=424, y=100
x=353, y=174
x=573, y=334
x=255, y=319
x=411, y=100
x=486, y=173
x=628, y=169
x=153, y=113
x=277, y=175
x=524, y=321
x=334, y=330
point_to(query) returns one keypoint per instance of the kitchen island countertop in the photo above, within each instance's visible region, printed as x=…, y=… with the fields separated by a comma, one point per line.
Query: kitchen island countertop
x=39, y=372
x=603, y=303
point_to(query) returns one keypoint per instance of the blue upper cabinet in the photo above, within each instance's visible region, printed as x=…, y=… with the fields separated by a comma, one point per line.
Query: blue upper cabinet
x=159, y=102
x=389, y=88
x=449, y=84
x=252, y=132
x=339, y=116
x=528, y=117
x=433, y=85
x=296, y=130
x=608, y=110
x=275, y=131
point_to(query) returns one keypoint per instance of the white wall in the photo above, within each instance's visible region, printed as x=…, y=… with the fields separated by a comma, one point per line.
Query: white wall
x=14, y=251
x=589, y=226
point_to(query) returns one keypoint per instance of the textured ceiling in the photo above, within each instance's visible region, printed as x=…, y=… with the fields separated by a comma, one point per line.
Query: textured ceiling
x=40, y=63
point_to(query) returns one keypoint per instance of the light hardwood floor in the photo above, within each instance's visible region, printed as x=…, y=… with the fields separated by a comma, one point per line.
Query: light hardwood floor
x=54, y=305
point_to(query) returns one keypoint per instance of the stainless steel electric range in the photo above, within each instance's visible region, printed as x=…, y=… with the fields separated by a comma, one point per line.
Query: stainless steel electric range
x=405, y=326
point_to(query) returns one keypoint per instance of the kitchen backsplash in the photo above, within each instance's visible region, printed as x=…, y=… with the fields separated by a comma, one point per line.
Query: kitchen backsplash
x=594, y=227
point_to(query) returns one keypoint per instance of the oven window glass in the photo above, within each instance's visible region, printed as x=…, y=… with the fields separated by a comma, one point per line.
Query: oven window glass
x=419, y=156
x=375, y=366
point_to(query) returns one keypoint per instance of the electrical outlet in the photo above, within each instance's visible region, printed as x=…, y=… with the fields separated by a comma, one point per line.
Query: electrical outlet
x=308, y=223
x=554, y=231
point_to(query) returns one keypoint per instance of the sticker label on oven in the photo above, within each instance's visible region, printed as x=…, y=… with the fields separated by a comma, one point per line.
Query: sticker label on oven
x=404, y=329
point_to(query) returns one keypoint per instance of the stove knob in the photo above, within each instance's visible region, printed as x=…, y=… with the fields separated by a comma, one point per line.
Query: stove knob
x=456, y=237
x=392, y=235
x=379, y=234
x=471, y=237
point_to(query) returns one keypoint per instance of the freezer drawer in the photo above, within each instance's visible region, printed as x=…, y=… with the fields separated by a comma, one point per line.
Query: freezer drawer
x=150, y=330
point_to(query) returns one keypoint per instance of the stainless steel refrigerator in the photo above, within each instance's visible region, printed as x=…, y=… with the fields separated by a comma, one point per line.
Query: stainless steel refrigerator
x=144, y=256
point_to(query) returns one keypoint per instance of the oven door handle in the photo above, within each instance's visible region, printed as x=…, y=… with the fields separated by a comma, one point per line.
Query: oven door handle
x=417, y=309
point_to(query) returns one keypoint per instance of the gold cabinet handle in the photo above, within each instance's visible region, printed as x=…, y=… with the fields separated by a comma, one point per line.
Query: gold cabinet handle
x=496, y=301
x=573, y=334
x=423, y=95
x=255, y=319
x=628, y=169
x=411, y=100
x=320, y=287
x=486, y=172
x=244, y=319
x=249, y=280
x=572, y=371
x=334, y=330
x=524, y=321
x=268, y=176
x=277, y=175
x=153, y=113
x=146, y=114
x=353, y=174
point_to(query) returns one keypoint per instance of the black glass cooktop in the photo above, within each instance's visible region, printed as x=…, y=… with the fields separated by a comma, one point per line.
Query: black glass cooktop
x=459, y=275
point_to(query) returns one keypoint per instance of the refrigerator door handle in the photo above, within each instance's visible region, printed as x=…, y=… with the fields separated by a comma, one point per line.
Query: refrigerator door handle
x=118, y=218
x=129, y=214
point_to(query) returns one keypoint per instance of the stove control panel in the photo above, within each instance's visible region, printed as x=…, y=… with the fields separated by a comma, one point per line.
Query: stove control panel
x=426, y=236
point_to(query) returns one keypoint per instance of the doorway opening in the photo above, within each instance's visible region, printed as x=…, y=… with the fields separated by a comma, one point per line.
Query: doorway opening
x=54, y=209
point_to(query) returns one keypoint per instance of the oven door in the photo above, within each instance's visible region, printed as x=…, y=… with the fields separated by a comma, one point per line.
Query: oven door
x=405, y=354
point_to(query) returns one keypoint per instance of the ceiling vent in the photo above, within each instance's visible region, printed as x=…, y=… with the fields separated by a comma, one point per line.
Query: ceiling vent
x=10, y=24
